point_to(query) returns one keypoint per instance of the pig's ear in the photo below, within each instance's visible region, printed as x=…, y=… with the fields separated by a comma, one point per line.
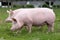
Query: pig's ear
x=8, y=11
x=11, y=12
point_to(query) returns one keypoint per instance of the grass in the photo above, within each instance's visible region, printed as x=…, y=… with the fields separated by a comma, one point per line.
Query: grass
x=37, y=34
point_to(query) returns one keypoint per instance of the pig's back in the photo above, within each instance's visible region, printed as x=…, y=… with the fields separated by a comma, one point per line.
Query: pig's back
x=37, y=15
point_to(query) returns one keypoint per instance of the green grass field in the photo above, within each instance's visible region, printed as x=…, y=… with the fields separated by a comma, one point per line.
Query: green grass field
x=37, y=34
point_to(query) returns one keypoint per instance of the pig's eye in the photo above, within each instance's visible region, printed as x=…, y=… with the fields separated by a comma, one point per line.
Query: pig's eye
x=15, y=21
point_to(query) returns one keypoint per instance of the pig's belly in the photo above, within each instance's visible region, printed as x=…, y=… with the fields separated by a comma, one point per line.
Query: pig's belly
x=38, y=22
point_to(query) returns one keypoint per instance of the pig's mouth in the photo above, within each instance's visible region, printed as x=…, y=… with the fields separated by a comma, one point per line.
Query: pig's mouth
x=8, y=21
x=14, y=30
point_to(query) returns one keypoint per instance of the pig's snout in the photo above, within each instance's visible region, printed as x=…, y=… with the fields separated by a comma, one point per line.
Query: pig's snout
x=8, y=20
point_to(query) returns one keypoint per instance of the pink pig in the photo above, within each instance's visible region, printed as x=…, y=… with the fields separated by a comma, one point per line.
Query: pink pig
x=33, y=17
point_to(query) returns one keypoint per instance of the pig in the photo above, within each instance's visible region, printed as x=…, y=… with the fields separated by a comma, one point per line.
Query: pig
x=33, y=17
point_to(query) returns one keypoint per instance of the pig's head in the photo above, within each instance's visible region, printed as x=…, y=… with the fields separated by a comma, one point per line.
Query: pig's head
x=16, y=25
x=10, y=14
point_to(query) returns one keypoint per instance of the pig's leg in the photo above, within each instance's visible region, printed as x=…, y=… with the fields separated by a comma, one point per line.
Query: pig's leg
x=29, y=28
x=51, y=27
x=19, y=30
x=26, y=27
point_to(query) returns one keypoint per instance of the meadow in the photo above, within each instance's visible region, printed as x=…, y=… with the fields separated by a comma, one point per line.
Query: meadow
x=37, y=34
